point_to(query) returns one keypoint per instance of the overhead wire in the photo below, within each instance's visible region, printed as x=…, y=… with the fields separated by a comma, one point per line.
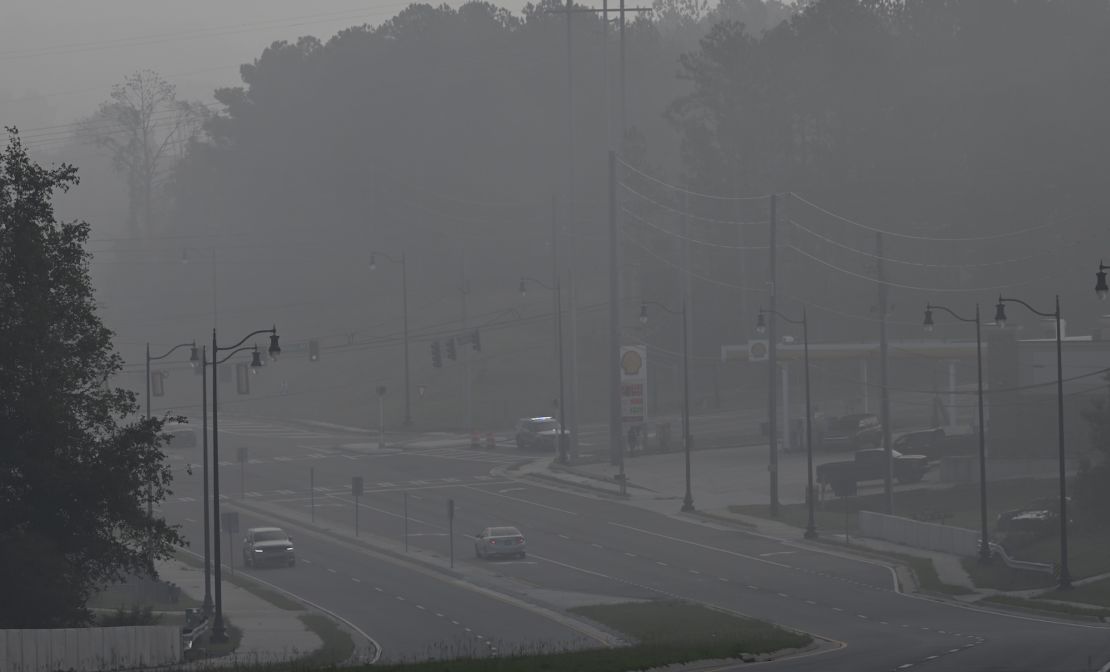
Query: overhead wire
x=686, y=213
x=910, y=236
x=690, y=239
x=684, y=190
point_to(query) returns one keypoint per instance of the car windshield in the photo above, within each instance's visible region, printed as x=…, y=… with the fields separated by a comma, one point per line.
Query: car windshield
x=544, y=425
x=504, y=532
x=271, y=535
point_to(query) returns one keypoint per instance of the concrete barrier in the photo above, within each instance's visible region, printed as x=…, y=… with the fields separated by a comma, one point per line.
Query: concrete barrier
x=930, y=536
x=89, y=649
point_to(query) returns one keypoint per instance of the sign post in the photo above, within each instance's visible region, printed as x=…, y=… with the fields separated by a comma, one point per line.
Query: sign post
x=633, y=391
x=451, y=529
x=242, y=471
x=406, y=512
x=230, y=521
x=312, y=491
x=356, y=492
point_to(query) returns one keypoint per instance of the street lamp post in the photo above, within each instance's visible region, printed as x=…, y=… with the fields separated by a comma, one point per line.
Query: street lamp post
x=193, y=359
x=687, y=437
x=559, y=341
x=984, y=540
x=761, y=327
x=219, y=632
x=381, y=417
x=1000, y=320
x=206, y=607
x=405, y=320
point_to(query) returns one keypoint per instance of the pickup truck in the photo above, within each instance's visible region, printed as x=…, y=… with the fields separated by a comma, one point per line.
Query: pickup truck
x=935, y=443
x=870, y=465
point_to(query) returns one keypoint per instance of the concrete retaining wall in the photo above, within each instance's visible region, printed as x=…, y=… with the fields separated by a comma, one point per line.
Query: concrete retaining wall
x=89, y=649
x=930, y=536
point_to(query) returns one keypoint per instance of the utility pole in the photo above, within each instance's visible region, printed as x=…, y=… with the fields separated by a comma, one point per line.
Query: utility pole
x=687, y=289
x=465, y=288
x=772, y=366
x=888, y=476
x=616, y=438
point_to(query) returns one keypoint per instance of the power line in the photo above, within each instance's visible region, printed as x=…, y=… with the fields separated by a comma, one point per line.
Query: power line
x=910, y=236
x=916, y=288
x=685, y=190
x=679, y=236
x=872, y=255
x=713, y=220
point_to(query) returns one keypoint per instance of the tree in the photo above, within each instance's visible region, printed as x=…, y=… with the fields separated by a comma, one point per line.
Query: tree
x=141, y=125
x=74, y=473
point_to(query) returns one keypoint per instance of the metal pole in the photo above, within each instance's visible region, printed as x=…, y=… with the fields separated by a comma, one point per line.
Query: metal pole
x=772, y=369
x=242, y=474
x=624, y=87
x=616, y=440
x=466, y=351
x=405, y=314
x=811, y=525
x=984, y=541
x=148, y=380
x=688, y=500
x=381, y=421
x=207, y=606
x=356, y=514
x=451, y=528
x=406, y=515
x=1065, y=573
x=559, y=323
x=884, y=392
x=150, y=479
x=219, y=633
x=312, y=491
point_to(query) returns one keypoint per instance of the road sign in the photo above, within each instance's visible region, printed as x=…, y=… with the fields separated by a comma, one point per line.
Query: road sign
x=356, y=486
x=230, y=521
x=633, y=365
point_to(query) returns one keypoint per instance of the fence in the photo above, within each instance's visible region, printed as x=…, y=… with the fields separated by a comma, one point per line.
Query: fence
x=930, y=536
x=89, y=649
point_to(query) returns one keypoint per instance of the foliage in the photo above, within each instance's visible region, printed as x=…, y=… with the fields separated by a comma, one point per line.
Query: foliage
x=135, y=615
x=74, y=473
x=142, y=126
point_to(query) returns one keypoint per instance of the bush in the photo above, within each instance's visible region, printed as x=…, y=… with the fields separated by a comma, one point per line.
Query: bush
x=136, y=615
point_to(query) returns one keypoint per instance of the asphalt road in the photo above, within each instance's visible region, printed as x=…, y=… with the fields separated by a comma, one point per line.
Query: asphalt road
x=583, y=544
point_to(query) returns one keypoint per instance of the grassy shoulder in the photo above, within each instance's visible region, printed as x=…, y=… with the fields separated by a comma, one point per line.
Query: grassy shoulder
x=336, y=644
x=998, y=576
x=1047, y=604
x=666, y=633
x=1095, y=593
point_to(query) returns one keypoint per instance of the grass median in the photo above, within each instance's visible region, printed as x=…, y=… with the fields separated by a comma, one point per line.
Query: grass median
x=664, y=632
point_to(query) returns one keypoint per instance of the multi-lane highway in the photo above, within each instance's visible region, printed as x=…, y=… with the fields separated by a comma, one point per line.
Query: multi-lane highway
x=578, y=545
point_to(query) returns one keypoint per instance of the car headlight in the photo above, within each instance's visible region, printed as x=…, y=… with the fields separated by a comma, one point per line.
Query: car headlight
x=288, y=548
x=258, y=550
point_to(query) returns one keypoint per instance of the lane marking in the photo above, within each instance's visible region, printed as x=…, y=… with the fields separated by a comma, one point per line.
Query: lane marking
x=521, y=500
x=356, y=579
x=512, y=490
x=767, y=555
x=700, y=545
x=314, y=605
x=331, y=571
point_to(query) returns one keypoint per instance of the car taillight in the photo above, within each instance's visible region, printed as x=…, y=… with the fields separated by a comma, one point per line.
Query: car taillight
x=520, y=540
x=493, y=541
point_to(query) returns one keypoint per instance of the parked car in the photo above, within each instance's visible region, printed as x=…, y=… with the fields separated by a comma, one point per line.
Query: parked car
x=870, y=465
x=859, y=430
x=935, y=444
x=537, y=433
x=181, y=435
x=268, y=546
x=1038, y=517
x=493, y=542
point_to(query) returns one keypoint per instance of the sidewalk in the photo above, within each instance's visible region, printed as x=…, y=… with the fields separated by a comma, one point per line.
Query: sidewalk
x=270, y=634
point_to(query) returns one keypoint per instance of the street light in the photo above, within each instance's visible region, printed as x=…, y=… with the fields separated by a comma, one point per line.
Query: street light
x=1100, y=281
x=687, y=438
x=761, y=327
x=1000, y=319
x=405, y=319
x=193, y=359
x=219, y=633
x=984, y=543
x=559, y=341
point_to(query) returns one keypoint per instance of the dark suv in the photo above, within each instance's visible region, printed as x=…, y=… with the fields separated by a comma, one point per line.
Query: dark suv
x=537, y=433
x=268, y=546
x=859, y=430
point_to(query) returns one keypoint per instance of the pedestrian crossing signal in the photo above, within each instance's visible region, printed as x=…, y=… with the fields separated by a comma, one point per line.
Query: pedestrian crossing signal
x=437, y=358
x=451, y=353
x=314, y=350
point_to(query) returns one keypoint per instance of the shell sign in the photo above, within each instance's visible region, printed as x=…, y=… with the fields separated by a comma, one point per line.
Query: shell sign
x=633, y=363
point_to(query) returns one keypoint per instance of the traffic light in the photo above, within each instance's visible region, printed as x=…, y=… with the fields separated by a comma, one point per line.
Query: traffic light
x=451, y=353
x=476, y=341
x=314, y=350
x=437, y=358
x=157, y=383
